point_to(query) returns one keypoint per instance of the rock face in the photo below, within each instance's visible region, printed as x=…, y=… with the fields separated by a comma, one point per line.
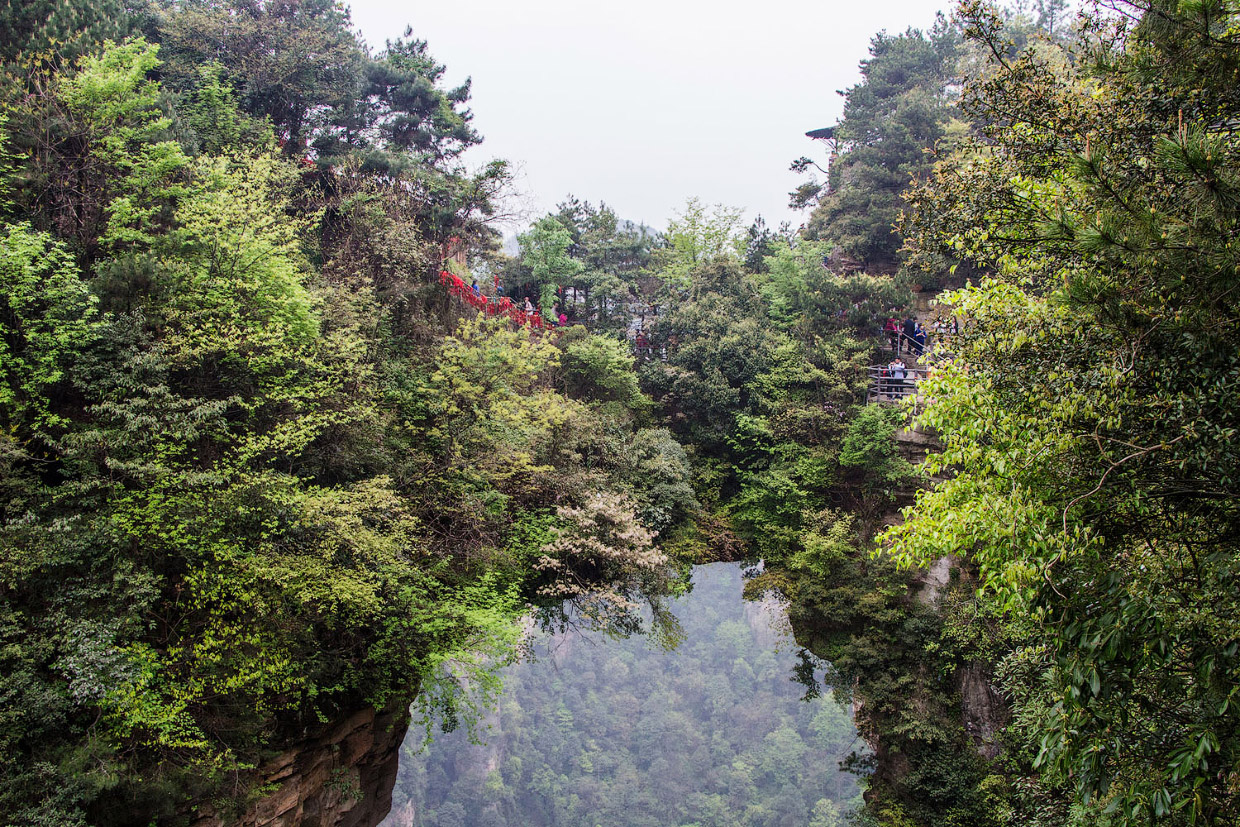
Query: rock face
x=342, y=777
x=916, y=443
x=982, y=709
x=934, y=580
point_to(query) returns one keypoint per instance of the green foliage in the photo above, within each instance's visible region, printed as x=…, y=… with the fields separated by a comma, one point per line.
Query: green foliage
x=806, y=298
x=253, y=475
x=869, y=444
x=98, y=166
x=237, y=276
x=1086, y=412
x=891, y=119
x=544, y=250
x=209, y=108
x=47, y=316
x=409, y=110
x=489, y=413
x=658, y=475
x=380, y=128
x=600, y=368
x=770, y=406
x=896, y=658
x=696, y=237
x=118, y=108
x=596, y=730
x=67, y=28
x=249, y=484
x=602, y=541
x=614, y=253
x=294, y=63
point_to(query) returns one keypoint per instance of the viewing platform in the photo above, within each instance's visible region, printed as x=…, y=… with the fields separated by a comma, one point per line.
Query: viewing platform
x=888, y=386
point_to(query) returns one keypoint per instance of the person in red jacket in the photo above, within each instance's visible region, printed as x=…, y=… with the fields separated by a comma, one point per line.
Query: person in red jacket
x=892, y=329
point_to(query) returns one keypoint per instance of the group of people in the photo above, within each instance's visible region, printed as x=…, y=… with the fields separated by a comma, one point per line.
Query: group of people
x=907, y=337
x=910, y=337
x=895, y=379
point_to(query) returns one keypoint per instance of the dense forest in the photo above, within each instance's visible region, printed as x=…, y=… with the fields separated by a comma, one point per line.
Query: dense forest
x=259, y=469
x=708, y=731
x=255, y=473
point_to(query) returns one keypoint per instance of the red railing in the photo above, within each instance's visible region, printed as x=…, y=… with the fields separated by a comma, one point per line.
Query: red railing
x=502, y=307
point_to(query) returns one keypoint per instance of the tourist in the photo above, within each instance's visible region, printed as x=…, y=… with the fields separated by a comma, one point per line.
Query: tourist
x=895, y=370
x=892, y=329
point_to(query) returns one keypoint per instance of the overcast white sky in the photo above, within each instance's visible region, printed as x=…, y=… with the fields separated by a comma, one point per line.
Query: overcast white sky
x=644, y=103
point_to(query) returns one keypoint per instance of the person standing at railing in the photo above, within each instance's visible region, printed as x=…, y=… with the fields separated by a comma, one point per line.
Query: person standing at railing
x=892, y=329
x=895, y=383
x=910, y=327
x=919, y=340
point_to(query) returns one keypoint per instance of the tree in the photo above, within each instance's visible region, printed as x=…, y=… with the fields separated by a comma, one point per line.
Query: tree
x=47, y=316
x=696, y=237
x=101, y=168
x=600, y=368
x=614, y=253
x=410, y=111
x=67, y=28
x=380, y=129
x=544, y=250
x=760, y=243
x=807, y=298
x=892, y=118
x=203, y=541
x=1086, y=413
x=869, y=446
x=603, y=543
x=295, y=63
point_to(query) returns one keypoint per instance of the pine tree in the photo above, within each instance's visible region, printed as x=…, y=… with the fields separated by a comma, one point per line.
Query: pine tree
x=64, y=27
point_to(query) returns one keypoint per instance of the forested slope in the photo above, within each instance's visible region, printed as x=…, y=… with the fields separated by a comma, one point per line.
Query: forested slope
x=709, y=730
x=254, y=473
x=1089, y=411
x=258, y=470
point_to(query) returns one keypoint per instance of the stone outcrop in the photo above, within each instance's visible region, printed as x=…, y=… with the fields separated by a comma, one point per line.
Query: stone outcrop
x=982, y=710
x=916, y=443
x=341, y=777
x=934, y=580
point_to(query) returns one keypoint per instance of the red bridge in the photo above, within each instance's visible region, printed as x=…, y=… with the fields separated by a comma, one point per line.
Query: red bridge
x=502, y=307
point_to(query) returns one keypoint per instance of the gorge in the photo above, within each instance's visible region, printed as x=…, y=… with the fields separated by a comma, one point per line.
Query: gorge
x=292, y=441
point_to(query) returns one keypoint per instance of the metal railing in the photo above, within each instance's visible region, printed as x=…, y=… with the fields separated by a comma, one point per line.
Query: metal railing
x=887, y=385
x=648, y=352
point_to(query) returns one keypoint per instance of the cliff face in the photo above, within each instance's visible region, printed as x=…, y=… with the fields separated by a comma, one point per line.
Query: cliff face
x=983, y=710
x=341, y=777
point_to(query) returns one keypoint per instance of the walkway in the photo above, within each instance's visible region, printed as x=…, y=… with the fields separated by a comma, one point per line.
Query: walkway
x=885, y=387
x=895, y=386
x=501, y=307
